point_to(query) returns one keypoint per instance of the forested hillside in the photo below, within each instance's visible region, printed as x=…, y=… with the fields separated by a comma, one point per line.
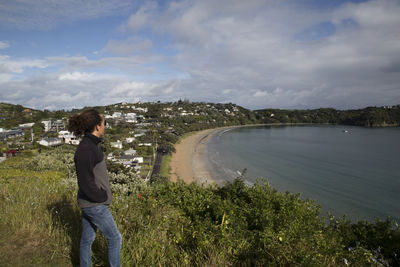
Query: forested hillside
x=200, y=115
x=369, y=117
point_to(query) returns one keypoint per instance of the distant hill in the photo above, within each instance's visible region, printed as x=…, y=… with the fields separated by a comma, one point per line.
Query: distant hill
x=369, y=117
x=12, y=115
x=217, y=114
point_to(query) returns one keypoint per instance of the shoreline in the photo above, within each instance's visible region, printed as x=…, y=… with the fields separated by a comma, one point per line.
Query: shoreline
x=188, y=164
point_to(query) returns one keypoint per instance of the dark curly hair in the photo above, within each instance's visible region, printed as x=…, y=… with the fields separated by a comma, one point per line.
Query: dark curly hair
x=84, y=122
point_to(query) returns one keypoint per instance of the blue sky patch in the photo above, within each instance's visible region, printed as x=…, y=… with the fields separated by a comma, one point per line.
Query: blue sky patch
x=316, y=32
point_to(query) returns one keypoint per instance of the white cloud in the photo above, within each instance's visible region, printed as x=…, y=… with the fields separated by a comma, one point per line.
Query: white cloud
x=76, y=76
x=142, y=90
x=142, y=17
x=10, y=66
x=246, y=52
x=253, y=45
x=259, y=93
x=4, y=45
x=131, y=89
x=381, y=14
x=168, y=90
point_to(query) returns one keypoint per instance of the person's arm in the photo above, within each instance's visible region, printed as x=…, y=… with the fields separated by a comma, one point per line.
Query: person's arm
x=84, y=163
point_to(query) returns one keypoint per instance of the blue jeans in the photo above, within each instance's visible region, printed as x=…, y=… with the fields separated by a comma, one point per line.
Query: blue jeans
x=99, y=217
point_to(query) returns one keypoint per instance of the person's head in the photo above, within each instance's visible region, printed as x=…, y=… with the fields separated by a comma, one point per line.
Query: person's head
x=88, y=121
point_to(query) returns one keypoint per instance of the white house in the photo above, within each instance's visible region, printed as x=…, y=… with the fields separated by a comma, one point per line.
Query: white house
x=130, y=152
x=138, y=159
x=47, y=125
x=62, y=133
x=26, y=125
x=141, y=109
x=117, y=115
x=131, y=117
x=127, y=160
x=144, y=144
x=140, y=118
x=138, y=134
x=130, y=139
x=68, y=138
x=11, y=134
x=71, y=139
x=117, y=144
x=50, y=142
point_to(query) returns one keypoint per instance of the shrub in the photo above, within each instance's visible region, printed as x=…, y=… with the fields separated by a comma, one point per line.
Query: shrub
x=165, y=223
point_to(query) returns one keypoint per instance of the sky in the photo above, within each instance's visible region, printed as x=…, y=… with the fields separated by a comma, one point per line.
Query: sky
x=288, y=54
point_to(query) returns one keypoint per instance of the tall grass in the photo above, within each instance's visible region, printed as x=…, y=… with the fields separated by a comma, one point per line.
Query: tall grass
x=164, y=170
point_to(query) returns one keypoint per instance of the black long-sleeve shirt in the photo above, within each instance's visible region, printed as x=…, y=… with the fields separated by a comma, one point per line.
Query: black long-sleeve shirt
x=93, y=181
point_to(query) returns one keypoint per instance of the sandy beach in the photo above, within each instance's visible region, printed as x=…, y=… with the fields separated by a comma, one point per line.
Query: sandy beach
x=187, y=162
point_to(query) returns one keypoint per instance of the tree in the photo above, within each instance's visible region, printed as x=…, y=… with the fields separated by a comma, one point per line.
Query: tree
x=166, y=147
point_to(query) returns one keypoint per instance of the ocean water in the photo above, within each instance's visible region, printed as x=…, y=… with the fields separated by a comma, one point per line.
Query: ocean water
x=347, y=170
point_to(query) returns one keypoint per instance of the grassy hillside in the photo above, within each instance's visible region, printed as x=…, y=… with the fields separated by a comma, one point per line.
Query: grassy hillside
x=174, y=224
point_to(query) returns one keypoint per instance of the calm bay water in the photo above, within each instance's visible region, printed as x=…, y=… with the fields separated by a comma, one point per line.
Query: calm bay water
x=354, y=172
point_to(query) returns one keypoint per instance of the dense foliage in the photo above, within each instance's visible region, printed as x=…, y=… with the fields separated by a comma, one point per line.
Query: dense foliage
x=369, y=117
x=12, y=115
x=175, y=224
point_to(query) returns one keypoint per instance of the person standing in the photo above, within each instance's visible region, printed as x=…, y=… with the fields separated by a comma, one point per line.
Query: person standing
x=94, y=193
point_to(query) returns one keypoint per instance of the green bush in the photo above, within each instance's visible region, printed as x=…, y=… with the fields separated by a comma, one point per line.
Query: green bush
x=178, y=224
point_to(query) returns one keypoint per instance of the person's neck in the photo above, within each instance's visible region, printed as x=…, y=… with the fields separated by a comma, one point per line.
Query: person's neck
x=97, y=134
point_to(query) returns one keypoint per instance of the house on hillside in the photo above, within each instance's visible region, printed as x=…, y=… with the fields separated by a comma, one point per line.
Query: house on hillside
x=47, y=125
x=130, y=139
x=144, y=144
x=117, y=115
x=131, y=118
x=55, y=125
x=138, y=160
x=26, y=126
x=139, y=135
x=126, y=160
x=50, y=142
x=140, y=118
x=62, y=133
x=11, y=134
x=117, y=144
x=58, y=125
x=130, y=152
x=69, y=138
